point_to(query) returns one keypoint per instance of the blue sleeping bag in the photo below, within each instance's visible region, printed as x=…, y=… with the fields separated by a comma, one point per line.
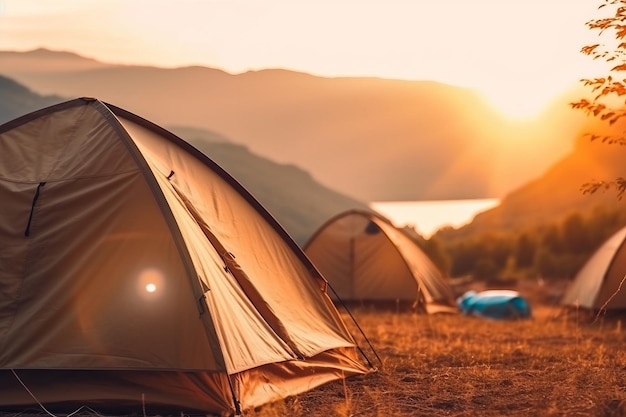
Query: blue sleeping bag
x=495, y=304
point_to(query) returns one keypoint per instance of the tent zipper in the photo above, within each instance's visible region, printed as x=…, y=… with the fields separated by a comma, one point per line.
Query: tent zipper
x=32, y=208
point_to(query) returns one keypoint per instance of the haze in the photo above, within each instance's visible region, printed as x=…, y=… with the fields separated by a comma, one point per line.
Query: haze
x=520, y=55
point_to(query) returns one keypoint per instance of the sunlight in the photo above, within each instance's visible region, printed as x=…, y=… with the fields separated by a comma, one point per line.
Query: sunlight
x=525, y=96
x=518, y=107
x=479, y=46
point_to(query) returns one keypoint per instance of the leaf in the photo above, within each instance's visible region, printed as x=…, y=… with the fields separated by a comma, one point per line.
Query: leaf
x=621, y=67
x=581, y=104
x=621, y=187
x=599, y=108
x=587, y=50
x=591, y=187
x=620, y=31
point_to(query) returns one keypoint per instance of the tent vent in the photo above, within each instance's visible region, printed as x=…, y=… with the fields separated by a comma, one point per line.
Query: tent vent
x=32, y=209
x=372, y=228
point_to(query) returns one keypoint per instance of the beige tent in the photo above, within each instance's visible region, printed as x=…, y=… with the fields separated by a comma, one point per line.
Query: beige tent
x=601, y=282
x=365, y=257
x=136, y=276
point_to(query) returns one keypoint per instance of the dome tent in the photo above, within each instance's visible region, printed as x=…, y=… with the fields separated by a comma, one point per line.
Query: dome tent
x=364, y=257
x=138, y=276
x=601, y=282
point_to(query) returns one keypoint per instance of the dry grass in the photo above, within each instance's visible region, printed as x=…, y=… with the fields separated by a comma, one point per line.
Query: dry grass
x=452, y=365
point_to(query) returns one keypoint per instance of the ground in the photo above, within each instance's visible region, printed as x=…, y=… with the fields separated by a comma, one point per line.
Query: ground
x=554, y=364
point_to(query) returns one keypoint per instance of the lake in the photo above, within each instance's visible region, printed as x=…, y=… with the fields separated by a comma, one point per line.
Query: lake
x=429, y=216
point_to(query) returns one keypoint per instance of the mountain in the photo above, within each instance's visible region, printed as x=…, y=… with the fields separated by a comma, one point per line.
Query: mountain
x=18, y=100
x=192, y=134
x=557, y=192
x=290, y=194
x=370, y=138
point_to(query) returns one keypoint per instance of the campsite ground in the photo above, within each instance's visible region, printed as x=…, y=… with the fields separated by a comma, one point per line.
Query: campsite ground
x=453, y=365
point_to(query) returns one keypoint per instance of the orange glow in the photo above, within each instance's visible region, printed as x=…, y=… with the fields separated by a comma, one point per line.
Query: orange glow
x=519, y=55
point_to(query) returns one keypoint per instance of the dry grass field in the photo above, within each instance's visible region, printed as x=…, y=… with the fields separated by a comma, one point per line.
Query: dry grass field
x=454, y=365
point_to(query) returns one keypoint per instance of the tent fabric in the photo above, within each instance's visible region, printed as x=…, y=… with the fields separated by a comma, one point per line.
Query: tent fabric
x=495, y=304
x=365, y=257
x=601, y=284
x=133, y=264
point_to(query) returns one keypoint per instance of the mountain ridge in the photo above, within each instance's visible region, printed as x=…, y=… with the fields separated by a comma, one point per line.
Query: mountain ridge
x=556, y=193
x=301, y=203
x=373, y=139
x=291, y=195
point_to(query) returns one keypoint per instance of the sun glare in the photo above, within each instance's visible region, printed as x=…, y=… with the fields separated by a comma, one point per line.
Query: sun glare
x=515, y=106
x=150, y=280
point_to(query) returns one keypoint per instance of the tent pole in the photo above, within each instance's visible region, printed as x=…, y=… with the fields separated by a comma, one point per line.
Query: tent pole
x=236, y=402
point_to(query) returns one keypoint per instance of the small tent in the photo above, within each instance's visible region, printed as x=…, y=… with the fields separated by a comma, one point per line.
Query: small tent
x=136, y=276
x=365, y=257
x=601, y=282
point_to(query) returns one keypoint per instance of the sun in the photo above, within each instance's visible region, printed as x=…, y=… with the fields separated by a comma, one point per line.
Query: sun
x=517, y=106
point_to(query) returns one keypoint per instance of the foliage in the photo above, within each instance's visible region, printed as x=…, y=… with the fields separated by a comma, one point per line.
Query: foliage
x=525, y=249
x=607, y=103
x=436, y=253
x=551, y=251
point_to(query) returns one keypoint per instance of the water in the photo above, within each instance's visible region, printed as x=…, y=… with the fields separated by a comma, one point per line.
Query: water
x=429, y=216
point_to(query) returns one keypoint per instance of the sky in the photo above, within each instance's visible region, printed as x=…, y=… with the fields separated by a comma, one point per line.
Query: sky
x=518, y=54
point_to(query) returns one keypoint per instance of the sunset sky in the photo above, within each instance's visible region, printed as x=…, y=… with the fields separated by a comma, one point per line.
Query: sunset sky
x=519, y=54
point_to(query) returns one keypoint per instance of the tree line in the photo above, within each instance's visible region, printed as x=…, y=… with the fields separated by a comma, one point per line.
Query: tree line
x=549, y=251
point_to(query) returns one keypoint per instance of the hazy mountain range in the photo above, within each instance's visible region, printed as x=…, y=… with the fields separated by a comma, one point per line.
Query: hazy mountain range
x=557, y=193
x=369, y=138
x=16, y=100
x=290, y=194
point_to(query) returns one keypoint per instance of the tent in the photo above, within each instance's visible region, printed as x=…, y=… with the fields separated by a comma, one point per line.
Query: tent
x=365, y=257
x=495, y=304
x=601, y=282
x=136, y=276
